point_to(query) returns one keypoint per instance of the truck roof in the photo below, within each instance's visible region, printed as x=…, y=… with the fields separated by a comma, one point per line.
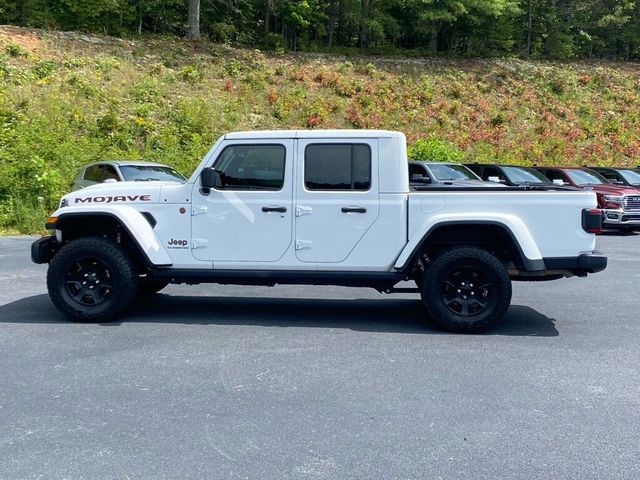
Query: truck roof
x=313, y=134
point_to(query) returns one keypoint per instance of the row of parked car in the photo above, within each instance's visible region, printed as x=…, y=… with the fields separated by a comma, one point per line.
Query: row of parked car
x=617, y=189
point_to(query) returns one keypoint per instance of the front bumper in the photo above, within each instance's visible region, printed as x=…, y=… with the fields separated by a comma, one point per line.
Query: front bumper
x=43, y=249
x=620, y=218
x=582, y=265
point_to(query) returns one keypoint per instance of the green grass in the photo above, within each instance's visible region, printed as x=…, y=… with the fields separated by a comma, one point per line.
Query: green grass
x=66, y=102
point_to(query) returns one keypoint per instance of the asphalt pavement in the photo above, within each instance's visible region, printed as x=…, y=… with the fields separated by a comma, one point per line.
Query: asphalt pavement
x=212, y=382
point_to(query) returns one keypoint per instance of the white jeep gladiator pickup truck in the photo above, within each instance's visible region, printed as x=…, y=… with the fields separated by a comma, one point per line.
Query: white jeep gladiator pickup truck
x=316, y=208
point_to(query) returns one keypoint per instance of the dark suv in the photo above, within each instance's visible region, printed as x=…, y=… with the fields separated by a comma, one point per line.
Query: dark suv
x=511, y=175
x=422, y=174
x=620, y=176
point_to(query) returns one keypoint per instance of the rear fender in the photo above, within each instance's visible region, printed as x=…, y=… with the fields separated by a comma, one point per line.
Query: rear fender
x=513, y=225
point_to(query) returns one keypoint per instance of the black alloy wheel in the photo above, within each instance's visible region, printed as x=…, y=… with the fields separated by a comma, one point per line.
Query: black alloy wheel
x=89, y=281
x=467, y=290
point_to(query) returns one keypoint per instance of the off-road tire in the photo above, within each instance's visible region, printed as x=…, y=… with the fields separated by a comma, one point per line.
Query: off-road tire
x=437, y=290
x=121, y=272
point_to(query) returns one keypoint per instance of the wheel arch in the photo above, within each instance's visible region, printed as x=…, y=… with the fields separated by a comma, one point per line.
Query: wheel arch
x=514, y=244
x=127, y=225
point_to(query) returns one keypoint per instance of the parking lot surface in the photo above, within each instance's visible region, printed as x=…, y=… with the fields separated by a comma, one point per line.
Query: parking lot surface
x=212, y=382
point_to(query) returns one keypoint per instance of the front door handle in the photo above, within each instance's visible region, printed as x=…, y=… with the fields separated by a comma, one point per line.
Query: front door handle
x=354, y=210
x=274, y=209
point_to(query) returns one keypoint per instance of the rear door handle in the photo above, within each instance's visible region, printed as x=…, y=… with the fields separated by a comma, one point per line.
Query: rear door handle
x=274, y=209
x=354, y=210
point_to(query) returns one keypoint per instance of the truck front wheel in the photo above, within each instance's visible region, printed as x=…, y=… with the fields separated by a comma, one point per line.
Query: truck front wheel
x=466, y=290
x=92, y=279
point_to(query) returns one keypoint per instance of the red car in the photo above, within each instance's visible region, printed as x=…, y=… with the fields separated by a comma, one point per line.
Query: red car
x=620, y=204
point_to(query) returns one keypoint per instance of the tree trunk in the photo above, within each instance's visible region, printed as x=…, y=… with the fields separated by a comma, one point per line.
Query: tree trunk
x=341, y=22
x=364, y=18
x=23, y=13
x=140, y=11
x=194, y=20
x=267, y=17
x=332, y=21
x=433, y=39
x=529, y=26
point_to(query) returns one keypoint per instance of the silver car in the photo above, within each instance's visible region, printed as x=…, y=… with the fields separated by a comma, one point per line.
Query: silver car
x=123, y=171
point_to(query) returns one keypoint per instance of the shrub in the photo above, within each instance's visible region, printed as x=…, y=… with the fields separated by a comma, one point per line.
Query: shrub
x=15, y=50
x=44, y=68
x=223, y=32
x=434, y=149
x=272, y=42
x=190, y=73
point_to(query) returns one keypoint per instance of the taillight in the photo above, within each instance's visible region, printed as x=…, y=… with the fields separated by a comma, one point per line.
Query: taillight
x=592, y=220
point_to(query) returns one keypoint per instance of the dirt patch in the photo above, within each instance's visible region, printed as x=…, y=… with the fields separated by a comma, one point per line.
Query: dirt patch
x=27, y=39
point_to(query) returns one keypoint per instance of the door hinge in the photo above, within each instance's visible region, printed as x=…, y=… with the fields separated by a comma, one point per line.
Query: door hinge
x=199, y=211
x=199, y=243
x=304, y=245
x=300, y=211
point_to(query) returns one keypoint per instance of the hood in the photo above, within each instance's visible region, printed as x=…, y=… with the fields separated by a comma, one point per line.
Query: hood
x=611, y=189
x=117, y=192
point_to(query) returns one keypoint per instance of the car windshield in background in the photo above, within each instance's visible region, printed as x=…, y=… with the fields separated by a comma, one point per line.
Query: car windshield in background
x=631, y=176
x=525, y=175
x=583, y=177
x=451, y=172
x=147, y=173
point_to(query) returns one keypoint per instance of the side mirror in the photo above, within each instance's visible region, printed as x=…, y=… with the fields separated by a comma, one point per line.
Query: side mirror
x=558, y=181
x=110, y=180
x=494, y=179
x=210, y=178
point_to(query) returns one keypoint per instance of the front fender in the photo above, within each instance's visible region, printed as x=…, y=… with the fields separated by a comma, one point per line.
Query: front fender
x=129, y=218
x=512, y=224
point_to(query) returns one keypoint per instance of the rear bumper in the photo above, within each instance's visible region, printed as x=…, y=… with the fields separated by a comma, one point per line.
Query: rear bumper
x=43, y=249
x=582, y=265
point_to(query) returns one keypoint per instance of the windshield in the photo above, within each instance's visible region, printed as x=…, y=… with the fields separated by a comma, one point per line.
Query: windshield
x=144, y=173
x=586, y=177
x=452, y=172
x=525, y=175
x=631, y=176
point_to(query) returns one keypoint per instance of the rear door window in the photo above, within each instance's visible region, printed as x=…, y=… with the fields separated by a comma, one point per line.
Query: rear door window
x=337, y=167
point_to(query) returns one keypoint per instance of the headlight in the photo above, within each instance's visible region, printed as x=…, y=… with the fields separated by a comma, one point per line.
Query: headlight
x=613, y=201
x=63, y=203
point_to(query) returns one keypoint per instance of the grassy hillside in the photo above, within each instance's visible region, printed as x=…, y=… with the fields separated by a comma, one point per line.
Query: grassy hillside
x=68, y=99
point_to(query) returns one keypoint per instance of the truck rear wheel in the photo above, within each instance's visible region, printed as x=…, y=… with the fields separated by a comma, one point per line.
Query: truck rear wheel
x=466, y=290
x=92, y=279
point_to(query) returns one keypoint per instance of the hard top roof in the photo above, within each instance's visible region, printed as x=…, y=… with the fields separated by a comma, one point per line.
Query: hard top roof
x=277, y=134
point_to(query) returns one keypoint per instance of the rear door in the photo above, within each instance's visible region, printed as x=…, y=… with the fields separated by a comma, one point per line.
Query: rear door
x=336, y=197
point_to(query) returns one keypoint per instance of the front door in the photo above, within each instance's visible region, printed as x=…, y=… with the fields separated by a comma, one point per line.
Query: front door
x=336, y=197
x=249, y=218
